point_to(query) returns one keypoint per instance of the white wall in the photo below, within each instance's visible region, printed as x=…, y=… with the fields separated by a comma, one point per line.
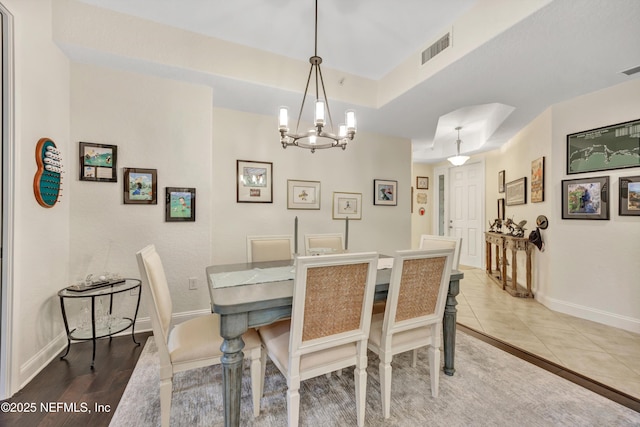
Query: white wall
x=41, y=235
x=589, y=269
x=597, y=269
x=156, y=124
x=243, y=136
x=422, y=224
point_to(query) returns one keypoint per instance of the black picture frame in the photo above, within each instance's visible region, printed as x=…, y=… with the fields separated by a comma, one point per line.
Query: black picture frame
x=516, y=192
x=629, y=196
x=501, y=214
x=140, y=186
x=586, y=198
x=604, y=148
x=501, y=181
x=98, y=162
x=180, y=204
x=385, y=192
x=422, y=182
x=254, y=181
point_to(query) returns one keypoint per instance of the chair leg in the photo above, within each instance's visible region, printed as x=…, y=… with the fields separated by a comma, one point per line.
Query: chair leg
x=293, y=404
x=414, y=361
x=434, y=369
x=360, y=378
x=166, y=386
x=263, y=368
x=257, y=377
x=385, y=387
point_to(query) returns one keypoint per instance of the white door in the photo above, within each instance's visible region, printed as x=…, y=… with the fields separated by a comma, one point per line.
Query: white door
x=466, y=211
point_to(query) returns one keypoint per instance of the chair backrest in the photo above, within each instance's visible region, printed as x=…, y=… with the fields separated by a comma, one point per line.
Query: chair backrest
x=429, y=241
x=332, y=301
x=417, y=290
x=160, y=307
x=269, y=248
x=333, y=242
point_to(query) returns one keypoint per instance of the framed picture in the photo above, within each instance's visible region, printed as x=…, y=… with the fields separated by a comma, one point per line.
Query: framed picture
x=140, y=186
x=501, y=208
x=501, y=182
x=385, y=192
x=347, y=205
x=516, y=192
x=585, y=198
x=255, y=182
x=98, y=162
x=422, y=182
x=609, y=147
x=181, y=204
x=303, y=194
x=629, y=196
x=537, y=180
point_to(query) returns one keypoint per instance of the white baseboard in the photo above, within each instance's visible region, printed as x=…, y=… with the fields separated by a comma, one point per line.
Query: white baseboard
x=40, y=360
x=589, y=313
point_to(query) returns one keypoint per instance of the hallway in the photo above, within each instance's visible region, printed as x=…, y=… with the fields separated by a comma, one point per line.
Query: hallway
x=603, y=353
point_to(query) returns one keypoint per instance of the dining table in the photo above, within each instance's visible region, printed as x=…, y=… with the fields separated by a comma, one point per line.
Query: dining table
x=250, y=295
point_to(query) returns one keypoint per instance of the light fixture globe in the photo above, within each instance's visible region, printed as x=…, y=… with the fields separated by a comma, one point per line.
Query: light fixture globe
x=458, y=160
x=318, y=137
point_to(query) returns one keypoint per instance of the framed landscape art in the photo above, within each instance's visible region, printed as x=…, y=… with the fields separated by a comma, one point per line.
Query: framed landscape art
x=605, y=148
x=629, y=196
x=586, y=198
x=180, y=204
x=98, y=162
x=140, y=186
x=254, y=182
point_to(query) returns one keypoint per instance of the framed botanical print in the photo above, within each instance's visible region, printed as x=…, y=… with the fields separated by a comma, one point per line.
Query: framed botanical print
x=140, y=186
x=347, y=205
x=180, y=204
x=98, y=162
x=303, y=194
x=501, y=181
x=254, y=182
x=385, y=192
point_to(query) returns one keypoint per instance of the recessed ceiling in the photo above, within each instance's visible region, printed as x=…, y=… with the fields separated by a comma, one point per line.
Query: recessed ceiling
x=562, y=50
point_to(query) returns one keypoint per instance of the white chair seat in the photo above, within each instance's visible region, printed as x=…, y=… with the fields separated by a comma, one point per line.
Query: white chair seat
x=198, y=339
x=399, y=340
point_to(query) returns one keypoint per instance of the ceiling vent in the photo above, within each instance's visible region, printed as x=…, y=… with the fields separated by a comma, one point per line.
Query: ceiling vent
x=443, y=43
x=630, y=71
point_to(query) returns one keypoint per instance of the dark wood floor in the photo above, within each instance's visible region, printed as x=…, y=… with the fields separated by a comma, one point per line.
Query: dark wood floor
x=72, y=380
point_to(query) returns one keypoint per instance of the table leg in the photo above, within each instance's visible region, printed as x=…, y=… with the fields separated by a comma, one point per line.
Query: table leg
x=449, y=327
x=514, y=270
x=231, y=329
x=93, y=329
x=66, y=327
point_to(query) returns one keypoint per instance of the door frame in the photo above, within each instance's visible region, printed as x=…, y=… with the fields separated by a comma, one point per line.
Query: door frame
x=7, y=375
x=445, y=169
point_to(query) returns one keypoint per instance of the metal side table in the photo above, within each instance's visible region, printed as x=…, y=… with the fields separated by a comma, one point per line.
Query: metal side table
x=107, y=326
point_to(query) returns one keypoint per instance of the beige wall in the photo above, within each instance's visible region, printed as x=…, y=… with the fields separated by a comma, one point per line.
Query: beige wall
x=422, y=224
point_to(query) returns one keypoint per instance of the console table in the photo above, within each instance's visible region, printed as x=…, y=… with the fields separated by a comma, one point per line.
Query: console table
x=502, y=243
x=103, y=324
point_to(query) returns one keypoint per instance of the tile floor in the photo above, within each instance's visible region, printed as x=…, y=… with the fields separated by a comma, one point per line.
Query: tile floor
x=603, y=353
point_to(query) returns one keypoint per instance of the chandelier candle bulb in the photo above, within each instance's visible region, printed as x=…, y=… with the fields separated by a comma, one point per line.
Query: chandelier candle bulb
x=319, y=112
x=283, y=119
x=351, y=120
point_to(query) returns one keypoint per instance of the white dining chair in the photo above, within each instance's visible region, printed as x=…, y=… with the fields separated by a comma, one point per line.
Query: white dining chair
x=413, y=314
x=329, y=325
x=191, y=344
x=323, y=243
x=269, y=248
x=430, y=241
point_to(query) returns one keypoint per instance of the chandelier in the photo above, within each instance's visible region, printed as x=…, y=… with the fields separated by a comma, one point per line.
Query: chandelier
x=318, y=137
x=458, y=160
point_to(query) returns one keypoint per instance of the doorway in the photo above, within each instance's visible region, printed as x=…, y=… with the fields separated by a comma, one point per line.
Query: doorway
x=460, y=208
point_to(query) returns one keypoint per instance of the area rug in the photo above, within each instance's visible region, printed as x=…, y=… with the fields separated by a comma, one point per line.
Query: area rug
x=490, y=388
